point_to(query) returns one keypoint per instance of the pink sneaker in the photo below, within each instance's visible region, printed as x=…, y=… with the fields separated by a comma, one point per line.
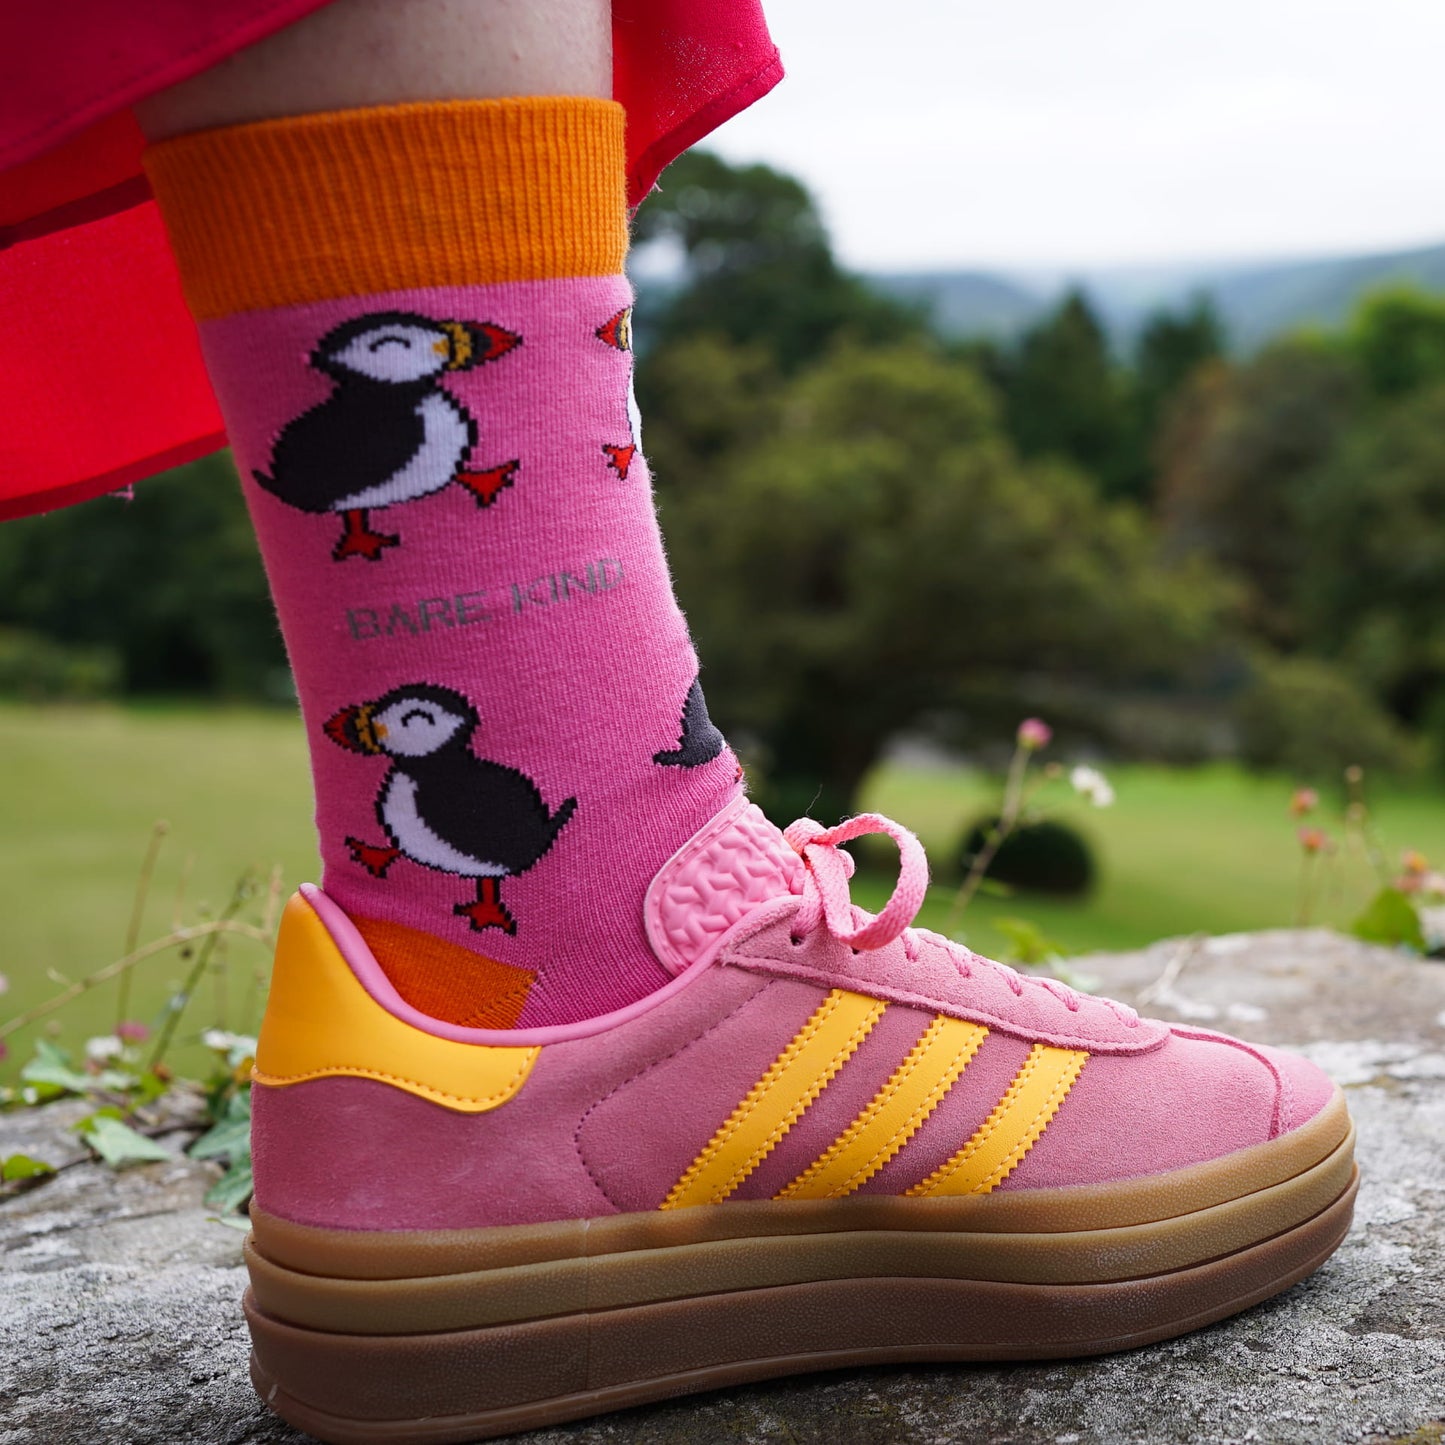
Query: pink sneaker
x=831, y=1140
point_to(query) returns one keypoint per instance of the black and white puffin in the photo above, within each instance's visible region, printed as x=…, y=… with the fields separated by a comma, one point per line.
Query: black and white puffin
x=440, y=804
x=389, y=432
x=616, y=332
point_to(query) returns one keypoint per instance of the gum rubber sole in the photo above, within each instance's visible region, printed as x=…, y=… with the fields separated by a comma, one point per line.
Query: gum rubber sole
x=457, y=1385
x=846, y=1249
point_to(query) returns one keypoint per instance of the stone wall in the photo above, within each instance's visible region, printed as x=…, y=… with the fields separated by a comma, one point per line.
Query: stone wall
x=118, y=1297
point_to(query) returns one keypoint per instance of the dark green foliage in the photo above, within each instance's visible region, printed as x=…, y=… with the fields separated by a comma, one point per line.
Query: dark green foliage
x=1398, y=337
x=865, y=542
x=1241, y=448
x=37, y=668
x=1047, y=856
x=1064, y=397
x=1312, y=720
x=1372, y=521
x=169, y=583
x=760, y=269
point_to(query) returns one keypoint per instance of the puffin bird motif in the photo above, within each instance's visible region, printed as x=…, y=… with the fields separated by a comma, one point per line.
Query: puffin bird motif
x=389, y=432
x=440, y=804
x=616, y=332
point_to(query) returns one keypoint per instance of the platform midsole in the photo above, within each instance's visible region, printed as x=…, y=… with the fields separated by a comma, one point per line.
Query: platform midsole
x=514, y=1294
x=464, y=1383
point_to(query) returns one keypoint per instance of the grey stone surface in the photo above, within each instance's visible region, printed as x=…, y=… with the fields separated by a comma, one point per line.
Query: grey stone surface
x=118, y=1299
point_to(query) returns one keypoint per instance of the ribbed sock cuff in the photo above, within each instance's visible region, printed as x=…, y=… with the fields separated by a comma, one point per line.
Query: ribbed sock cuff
x=351, y=203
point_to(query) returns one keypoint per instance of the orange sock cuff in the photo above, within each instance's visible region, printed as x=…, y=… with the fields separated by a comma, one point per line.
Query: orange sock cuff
x=351, y=203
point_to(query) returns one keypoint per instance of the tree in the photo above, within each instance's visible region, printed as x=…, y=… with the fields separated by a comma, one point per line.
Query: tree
x=170, y=581
x=759, y=266
x=1170, y=350
x=1066, y=398
x=1240, y=448
x=870, y=543
x=1372, y=523
x=1398, y=338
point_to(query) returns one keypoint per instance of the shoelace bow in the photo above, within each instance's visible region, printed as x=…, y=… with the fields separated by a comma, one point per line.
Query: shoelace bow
x=826, y=903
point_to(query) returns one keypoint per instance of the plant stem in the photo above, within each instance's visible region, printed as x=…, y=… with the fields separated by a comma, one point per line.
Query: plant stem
x=1007, y=818
x=172, y=940
x=137, y=913
x=238, y=898
x=1304, y=905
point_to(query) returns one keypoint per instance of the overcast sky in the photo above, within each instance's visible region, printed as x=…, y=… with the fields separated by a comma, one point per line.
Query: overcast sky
x=1040, y=133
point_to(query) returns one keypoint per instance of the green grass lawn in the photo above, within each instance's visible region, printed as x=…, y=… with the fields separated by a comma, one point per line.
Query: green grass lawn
x=1208, y=849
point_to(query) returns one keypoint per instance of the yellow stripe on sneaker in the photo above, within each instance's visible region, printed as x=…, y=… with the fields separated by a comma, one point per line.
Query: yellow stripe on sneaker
x=777, y=1101
x=1014, y=1127
x=894, y=1114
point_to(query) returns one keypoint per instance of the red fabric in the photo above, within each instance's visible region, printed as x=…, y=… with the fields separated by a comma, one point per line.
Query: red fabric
x=100, y=370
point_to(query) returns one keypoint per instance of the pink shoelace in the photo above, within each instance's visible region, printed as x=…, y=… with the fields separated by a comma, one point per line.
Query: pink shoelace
x=826, y=903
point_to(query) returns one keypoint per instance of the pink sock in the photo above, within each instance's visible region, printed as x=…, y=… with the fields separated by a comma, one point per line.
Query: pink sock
x=507, y=733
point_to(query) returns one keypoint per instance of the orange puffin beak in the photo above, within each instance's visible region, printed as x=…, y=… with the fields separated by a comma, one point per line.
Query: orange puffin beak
x=471, y=342
x=353, y=729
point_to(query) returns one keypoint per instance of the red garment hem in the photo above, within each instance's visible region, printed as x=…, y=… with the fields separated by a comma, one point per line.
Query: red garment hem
x=666, y=149
x=53, y=499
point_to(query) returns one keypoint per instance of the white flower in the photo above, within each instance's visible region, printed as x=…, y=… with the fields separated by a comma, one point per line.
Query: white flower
x=1091, y=784
x=102, y=1049
x=236, y=1047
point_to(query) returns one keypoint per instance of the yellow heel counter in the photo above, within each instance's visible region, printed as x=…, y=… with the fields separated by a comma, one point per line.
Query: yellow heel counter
x=321, y=1023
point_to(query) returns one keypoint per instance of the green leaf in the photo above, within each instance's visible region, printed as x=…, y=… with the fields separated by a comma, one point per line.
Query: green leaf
x=231, y=1221
x=118, y=1143
x=1391, y=919
x=22, y=1166
x=229, y=1139
x=233, y=1188
x=1026, y=943
x=107, y=1111
x=51, y=1065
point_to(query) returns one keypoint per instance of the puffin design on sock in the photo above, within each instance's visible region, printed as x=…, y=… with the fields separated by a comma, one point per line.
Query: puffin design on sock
x=616, y=332
x=440, y=804
x=389, y=432
x=699, y=740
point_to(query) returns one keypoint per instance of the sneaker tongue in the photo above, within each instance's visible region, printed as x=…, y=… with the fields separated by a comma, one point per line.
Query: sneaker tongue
x=726, y=869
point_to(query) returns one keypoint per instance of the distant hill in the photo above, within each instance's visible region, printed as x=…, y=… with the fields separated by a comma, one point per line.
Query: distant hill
x=1256, y=302
x=969, y=303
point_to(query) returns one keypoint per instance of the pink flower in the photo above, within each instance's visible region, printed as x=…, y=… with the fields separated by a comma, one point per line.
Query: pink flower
x=1305, y=800
x=1315, y=840
x=1034, y=733
x=132, y=1032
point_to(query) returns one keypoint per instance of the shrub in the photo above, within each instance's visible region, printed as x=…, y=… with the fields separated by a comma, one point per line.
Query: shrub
x=1310, y=719
x=34, y=668
x=1043, y=857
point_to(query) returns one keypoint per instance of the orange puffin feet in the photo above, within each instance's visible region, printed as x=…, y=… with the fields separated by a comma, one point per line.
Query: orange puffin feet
x=488, y=911
x=358, y=540
x=620, y=458
x=376, y=859
x=484, y=486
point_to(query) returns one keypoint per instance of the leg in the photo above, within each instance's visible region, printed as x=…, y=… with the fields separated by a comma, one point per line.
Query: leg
x=401, y=226
x=355, y=53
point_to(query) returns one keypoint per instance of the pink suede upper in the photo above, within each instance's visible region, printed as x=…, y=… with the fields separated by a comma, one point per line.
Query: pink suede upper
x=616, y=1108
